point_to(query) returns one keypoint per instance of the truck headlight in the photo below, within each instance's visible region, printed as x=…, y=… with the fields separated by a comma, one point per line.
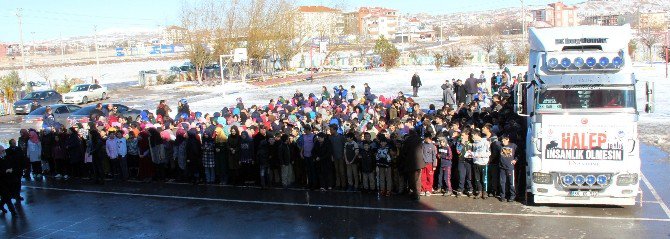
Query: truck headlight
x=627, y=179
x=541, y=178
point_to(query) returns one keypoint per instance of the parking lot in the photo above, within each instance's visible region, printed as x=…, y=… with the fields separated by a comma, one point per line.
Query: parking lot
x=171, y=210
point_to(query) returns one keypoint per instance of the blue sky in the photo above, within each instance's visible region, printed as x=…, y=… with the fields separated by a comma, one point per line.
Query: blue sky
x=49, y=19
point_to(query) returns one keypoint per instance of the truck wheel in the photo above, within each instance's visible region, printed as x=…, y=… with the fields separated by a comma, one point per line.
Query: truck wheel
x=59, y=102
x=84, y=100
x=104, y=96
x=355, y=69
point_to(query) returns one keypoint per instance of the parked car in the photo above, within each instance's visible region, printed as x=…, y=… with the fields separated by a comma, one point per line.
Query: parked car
x=84, y=93
x=61, y=112
x=82, y=115
x=47, y=97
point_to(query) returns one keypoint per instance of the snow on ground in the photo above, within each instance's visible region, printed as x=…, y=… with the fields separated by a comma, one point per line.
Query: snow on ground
x=111, y=73
x=383, y=83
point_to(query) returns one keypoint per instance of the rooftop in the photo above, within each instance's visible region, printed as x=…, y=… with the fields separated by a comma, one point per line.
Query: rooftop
x=316, y=9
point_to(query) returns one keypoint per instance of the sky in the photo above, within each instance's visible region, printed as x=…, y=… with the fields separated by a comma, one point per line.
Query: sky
x=49, y=19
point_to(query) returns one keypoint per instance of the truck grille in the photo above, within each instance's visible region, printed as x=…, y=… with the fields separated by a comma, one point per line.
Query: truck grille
x=584, y=181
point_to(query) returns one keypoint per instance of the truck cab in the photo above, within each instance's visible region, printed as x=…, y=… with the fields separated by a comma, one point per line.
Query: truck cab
x=579, y=101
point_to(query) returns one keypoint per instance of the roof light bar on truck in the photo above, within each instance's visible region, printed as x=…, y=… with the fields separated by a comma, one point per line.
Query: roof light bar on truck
x=592, y=63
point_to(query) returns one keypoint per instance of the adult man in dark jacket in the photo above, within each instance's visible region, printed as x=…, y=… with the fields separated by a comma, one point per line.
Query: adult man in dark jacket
x=459, y=89
x=6, y=184
x=414, y=161
x=15, y=159
x=416, y=83
x=471, y=87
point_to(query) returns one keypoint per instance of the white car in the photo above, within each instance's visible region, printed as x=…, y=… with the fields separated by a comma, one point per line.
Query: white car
x=84, y=93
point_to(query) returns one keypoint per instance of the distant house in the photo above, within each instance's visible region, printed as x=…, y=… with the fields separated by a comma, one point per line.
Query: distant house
x=174, y=34
x=3, y=51
x=604, y=20
x=653, y=19
x=321, y=21
x=376, y=21
x=555, y=15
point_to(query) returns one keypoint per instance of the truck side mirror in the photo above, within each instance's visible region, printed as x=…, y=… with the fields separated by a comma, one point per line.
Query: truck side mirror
x=649, y=92
x=519, y=95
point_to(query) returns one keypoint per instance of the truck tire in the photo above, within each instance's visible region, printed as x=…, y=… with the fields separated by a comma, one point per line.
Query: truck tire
x=84, y=100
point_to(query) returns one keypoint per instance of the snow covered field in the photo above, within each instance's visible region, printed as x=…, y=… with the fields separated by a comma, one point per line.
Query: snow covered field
x=111, y=73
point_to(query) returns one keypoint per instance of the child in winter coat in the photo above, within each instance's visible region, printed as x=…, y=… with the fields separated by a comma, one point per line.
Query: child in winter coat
x=444, y=174
x=351, y=153
x=481, y=151
x=367, y=166
x=384, y=167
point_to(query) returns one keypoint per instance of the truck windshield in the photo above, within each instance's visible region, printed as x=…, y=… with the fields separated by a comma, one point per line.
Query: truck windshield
x=558, y=99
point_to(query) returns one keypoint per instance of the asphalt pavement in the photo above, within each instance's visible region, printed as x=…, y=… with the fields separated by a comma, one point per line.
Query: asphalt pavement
x=78, y=209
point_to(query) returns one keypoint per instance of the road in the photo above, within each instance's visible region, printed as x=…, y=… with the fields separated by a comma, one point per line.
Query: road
x=168, y=210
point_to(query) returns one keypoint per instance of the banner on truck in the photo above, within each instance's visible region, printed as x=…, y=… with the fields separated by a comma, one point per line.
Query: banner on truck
x=586, y=138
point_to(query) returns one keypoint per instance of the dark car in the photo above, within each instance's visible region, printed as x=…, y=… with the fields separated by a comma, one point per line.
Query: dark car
x=45, y=97
x=61, y=112
x=82, y=115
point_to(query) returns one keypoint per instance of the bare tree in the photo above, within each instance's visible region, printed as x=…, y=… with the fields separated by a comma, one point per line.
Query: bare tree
x=201, y=20
x=521, y=51
x=649, y=37
x=226, y=35
x=502, y=58
x=488, y=42
x=290, y=36
x=44, y=72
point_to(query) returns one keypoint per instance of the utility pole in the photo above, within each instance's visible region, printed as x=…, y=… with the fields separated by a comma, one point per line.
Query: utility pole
x=97, y=57
x=441, y=37
x=23, y=53
x=523, y=21
x=32, y=35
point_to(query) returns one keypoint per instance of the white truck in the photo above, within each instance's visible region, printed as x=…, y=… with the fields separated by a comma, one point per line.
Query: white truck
x=579, y=102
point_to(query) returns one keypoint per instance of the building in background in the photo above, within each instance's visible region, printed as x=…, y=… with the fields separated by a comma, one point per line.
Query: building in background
x=174, y=35
x=555, y=15
x=350, y=20
x=654, y=20
x=322, y=22
x=376, y=21
x=3, y=51
x=604, y=20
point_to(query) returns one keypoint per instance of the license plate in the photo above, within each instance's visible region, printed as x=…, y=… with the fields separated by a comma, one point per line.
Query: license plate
x=583, y=193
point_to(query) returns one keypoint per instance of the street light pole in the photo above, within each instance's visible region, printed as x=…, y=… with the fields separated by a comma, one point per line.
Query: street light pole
x=23, y=52
x=523, y=20
x=97, y=57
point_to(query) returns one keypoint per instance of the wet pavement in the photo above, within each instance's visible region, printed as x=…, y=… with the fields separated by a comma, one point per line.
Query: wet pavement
x=77, y=209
